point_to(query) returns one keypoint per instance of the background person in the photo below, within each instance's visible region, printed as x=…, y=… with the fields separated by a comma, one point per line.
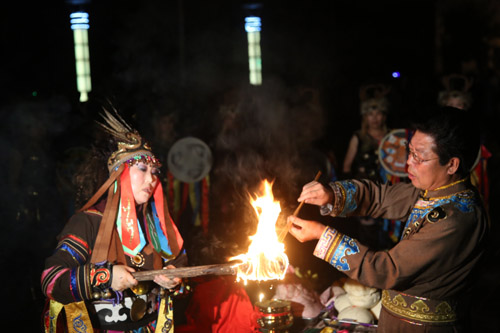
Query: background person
x=362, y=161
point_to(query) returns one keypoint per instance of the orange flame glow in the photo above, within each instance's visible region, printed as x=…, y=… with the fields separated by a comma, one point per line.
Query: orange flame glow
x=266, y=258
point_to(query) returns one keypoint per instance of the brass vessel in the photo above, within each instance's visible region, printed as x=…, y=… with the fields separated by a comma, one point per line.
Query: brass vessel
x=275, y=315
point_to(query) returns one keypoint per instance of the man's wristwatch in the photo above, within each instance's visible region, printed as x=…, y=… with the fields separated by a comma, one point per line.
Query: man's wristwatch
x=326, y=209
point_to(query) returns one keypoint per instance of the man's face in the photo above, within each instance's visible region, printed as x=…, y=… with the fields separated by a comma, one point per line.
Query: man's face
x=424, y=169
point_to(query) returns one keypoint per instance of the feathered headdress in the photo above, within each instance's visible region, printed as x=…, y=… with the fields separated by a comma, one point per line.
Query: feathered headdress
x=131, y=146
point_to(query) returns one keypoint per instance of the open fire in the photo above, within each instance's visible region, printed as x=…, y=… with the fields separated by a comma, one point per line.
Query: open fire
x=266, y=258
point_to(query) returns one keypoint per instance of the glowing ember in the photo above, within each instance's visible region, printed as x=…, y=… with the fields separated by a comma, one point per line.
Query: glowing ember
x=266, y=258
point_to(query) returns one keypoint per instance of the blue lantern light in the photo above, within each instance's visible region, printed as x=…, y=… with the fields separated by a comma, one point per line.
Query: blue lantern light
x=252, y=24
x=253, y=28
x=80, y=25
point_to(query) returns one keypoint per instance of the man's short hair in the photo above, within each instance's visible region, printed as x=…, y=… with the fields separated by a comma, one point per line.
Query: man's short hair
x=455, y=133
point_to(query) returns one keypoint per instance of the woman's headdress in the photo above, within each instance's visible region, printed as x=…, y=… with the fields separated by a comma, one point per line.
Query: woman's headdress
x=131, y=146
x=373, y=97
x=457, y=87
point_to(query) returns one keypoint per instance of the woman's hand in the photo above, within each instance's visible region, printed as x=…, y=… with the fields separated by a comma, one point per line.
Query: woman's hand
x=305, y=230
x=316, y=193
x=122, y=279
x=166, y=282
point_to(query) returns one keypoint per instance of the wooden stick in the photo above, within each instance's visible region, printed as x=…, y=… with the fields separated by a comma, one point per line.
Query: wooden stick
x=184, y=272
x=285, y=230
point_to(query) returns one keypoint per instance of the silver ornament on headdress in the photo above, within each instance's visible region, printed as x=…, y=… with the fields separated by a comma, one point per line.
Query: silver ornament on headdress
x=373, y=97
x=457, y=87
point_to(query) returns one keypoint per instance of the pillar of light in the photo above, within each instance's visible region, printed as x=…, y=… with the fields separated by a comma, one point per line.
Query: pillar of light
x=80, y=26
x=253, y=27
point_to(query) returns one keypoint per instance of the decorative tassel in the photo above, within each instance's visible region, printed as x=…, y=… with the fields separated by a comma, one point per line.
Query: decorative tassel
x=181, y=194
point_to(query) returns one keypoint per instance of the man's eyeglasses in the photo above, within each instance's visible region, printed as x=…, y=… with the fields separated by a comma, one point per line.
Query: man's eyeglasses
x=415, y=157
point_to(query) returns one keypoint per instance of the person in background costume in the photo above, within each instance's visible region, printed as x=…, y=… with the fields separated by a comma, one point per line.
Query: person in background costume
x=457, y=92
x=123, y=228
x=425, y=277
x=362, y=160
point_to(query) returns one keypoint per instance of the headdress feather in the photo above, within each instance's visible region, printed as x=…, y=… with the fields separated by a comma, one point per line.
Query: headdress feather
x=130, y=143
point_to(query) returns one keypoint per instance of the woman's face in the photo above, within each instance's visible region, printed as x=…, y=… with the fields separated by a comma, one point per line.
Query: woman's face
x=143, y=179
x=456, y=102
x=375, y=119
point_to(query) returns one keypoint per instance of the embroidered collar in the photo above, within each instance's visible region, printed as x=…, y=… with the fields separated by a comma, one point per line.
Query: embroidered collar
x=446, y=190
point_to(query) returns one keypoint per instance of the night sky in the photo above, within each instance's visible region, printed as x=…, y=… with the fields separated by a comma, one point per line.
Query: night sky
x=153, y=57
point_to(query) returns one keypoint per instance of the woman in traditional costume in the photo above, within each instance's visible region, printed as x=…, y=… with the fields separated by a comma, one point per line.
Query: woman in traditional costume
x=362, y=160
x=89, y=280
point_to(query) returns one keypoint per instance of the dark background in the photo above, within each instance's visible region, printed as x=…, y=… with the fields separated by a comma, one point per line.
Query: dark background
x=188, y=58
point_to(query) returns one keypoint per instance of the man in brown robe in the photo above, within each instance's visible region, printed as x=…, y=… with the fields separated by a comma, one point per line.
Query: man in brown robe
x=424, y=276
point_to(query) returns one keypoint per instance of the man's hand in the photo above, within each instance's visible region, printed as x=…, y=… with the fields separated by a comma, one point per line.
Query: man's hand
x=315, y=193
x=305, y=230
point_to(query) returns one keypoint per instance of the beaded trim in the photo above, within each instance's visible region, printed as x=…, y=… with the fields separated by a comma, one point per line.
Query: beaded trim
x=136, y=157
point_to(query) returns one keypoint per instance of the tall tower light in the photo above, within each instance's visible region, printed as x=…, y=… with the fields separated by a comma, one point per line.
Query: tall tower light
x=80, y=25
x=253, y=27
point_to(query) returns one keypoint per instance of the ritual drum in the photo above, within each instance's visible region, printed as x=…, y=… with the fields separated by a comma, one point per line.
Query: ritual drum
x=189, y=160
x=275, y=315
x=392, y=152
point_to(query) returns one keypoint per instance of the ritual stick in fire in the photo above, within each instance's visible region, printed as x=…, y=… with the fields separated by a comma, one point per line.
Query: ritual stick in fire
x=285, y=230
x=186, y=272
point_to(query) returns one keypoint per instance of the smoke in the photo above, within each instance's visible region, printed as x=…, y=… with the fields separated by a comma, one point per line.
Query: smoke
x=265, y=132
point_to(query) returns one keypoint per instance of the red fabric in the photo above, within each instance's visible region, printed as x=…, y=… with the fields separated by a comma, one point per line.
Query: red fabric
x=482, y=174
x=220, y=305
x=130, y=230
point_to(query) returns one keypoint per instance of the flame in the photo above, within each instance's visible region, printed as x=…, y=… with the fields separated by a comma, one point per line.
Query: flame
x=266, y=258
